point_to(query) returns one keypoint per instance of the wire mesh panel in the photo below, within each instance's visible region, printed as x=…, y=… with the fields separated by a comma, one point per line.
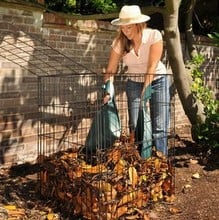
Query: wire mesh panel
x=111, y=181
x=34, y=56
x=66, y=106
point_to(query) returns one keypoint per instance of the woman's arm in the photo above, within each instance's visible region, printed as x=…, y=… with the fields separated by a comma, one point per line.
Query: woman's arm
x=111, y=70
x=155, y=54
x=112, y=65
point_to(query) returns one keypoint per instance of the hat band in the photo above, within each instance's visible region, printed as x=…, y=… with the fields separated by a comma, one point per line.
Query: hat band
x=127, y=20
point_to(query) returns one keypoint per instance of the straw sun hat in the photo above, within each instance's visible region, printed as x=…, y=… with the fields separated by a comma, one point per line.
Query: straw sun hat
x=130, y=14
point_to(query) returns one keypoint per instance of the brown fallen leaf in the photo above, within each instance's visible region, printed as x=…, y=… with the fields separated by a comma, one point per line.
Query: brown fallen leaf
x=119, y=167
x=93, y=169
x=132, y=217
x=186, y=188
x=127, y=198
x=143, y=214
x=10, y=207
x=157, y=165
x=133, y=176
x=119, y=187
x=167, y=185
x=72, y=155
x=115, y=155
x=174, y=210
x=193, y=161
x=50, y=216
x=120, y=211
x=44, y=176
x=61, y=195
x=145, y=217
x=196, y=176
x=170, y=198
x=16, y=213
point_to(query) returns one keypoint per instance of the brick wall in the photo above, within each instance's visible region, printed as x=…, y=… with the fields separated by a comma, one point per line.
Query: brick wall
x=86, y=42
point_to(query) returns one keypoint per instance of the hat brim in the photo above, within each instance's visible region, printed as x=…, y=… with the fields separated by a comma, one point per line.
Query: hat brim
x=139, y=19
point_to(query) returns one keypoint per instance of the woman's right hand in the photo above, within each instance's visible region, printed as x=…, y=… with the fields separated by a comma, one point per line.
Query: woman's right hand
x=108, y=76
x=146, y=95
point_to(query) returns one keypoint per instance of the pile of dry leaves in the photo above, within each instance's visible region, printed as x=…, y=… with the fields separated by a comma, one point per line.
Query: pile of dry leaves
x=196, y=178
x=121, y=185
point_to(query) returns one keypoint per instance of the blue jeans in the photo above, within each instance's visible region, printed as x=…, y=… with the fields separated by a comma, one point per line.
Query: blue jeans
x=157, y=116
x=139, y=117
x=160, y=112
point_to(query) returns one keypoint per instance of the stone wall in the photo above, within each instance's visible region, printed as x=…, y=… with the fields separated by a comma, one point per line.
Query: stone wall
x=85, y=42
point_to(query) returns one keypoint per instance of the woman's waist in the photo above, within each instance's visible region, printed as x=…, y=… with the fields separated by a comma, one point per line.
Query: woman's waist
x=140, y=77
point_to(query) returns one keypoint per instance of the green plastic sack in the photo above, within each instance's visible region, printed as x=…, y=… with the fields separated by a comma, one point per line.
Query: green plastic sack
x=105, y=128
x=143, y=132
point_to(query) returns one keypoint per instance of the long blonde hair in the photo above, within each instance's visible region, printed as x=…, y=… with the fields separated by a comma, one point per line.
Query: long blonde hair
x=125, y=43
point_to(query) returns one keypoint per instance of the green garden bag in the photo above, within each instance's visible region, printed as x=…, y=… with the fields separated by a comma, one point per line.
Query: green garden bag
x=143, y=132
x=105, y=128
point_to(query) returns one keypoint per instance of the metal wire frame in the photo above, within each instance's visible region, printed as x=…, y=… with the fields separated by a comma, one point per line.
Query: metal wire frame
x=69, y=103
x=33, y=55
x=69, y=95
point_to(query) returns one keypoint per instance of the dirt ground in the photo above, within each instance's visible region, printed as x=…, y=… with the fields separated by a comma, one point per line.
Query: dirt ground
x=196, y=198
x=196, y=190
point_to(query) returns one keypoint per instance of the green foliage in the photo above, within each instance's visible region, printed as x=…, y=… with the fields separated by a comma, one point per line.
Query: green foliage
x=82, y=6
x=215, y=37
x=86, y=7
x=103, y=6
x=208, y=132
x=61, y=5
x=72, y=3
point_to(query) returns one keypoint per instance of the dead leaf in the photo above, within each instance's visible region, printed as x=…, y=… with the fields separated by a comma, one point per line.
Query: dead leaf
x=120, y=211
x=120, y=166
x=193, y=161
x=10, y=207
x=145, y=217
x=170, y=198
x=196, y=176
x=186, y=188
x=157, y=165
x=132, y=217
x=127, y=198
x=72, y=155
x=50, y=216
x=174, y=210
x=133, y=176
x=114, y=155
x=94, y=169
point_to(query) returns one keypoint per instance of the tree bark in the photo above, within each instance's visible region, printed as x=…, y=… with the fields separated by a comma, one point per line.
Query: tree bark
x=192, y=108
x=189, y=36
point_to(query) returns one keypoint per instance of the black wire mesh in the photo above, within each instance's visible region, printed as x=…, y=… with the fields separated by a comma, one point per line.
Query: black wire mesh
x=33, y=55
x=87, y=184
x=69, y=103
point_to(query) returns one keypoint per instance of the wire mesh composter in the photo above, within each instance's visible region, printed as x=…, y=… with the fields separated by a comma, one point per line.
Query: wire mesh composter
x=89, y=160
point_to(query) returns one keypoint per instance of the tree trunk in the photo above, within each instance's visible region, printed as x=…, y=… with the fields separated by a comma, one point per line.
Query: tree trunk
x=182, y=79
x=189, y=36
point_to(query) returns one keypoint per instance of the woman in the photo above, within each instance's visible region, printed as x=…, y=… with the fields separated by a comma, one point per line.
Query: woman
x=141, y=49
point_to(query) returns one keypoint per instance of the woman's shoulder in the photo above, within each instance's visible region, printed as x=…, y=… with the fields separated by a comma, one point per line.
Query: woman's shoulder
x=151, y=31
x=150, y=34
